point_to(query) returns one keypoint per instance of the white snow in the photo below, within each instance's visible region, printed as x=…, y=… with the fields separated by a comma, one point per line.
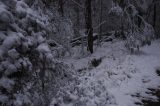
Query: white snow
x=21, y=8
x=6, y=83
x=43, y=48
x=116, y=10
x=5, y=17
x=10, y=41
x=118, y=78
x=13, y=54
x=3, y=98
x=2, y=36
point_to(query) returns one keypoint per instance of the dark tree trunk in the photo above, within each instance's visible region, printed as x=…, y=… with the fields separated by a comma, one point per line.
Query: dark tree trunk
x=77, y=23
x=139, y=20
x=155, y=15
x=61, y=10
x=88, y=19
x=100, y=29
x=122, y=5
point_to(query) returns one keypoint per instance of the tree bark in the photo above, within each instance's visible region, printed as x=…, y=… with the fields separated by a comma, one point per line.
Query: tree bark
x=100, y=29
x=61, y=10
x=88, y=19
x=139, y=19
x=77, y=23
x=155, y=16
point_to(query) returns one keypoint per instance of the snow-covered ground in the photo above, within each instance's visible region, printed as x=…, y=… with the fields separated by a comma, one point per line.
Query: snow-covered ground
x=121, y=79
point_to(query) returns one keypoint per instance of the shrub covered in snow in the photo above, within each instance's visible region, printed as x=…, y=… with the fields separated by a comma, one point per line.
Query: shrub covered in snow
x=27, y=66
x=137, y=34
x=116, y=11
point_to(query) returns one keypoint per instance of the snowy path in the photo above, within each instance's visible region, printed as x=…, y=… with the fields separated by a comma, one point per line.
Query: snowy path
x=120, y=80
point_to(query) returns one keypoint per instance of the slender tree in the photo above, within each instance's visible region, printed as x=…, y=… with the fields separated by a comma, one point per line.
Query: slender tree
x=89, y=29
x=154, y=16
x=101, y=15
x=77, y=21
x=61, y=10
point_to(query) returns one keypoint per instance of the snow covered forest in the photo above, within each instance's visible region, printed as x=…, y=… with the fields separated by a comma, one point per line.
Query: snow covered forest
x=79, y=53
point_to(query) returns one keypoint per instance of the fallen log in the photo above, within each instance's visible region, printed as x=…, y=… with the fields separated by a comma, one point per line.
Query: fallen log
x=78, y=41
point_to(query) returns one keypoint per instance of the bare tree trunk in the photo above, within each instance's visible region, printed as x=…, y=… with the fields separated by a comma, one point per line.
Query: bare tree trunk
x=122, y=5
x=100, y=29
x=61, y=10
x=77, y=23
x=139, y=20
x=88, y=19
x=155, y=16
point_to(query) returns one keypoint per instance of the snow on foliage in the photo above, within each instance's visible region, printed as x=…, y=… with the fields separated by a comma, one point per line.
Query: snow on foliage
x=27, y=66
x=137, y=33
x=138, y=37
x=7, y=83
x=116, y=10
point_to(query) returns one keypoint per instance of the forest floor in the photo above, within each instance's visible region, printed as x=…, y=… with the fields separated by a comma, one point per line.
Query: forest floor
x=111, y=76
